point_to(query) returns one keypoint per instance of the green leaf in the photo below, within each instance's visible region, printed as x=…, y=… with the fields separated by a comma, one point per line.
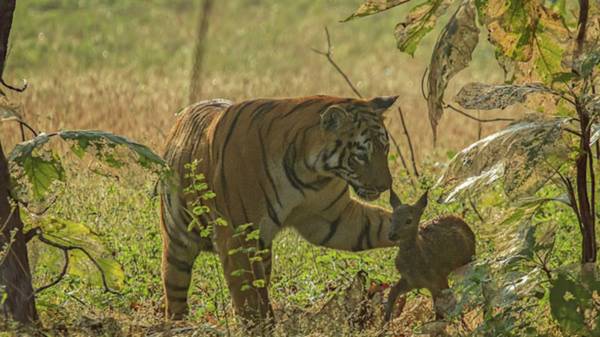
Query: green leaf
x=565, y=296
x=41, y=169
x=586, y=63
x=75, y=234
x=487, y=96
x=419, y=21
x=451, y=54
x=100, y=139
x=42, y=173
x=370, y=7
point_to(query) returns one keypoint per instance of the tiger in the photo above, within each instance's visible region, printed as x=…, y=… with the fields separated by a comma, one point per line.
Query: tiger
x=272, y=163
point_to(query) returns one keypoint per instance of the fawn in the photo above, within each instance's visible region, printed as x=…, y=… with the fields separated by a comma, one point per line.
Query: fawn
x=427, y=253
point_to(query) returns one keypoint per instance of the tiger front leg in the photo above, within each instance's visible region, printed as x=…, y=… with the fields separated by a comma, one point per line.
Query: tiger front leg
x=246, y=277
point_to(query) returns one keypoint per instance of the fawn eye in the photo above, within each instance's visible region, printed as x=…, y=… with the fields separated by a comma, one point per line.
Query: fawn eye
x=408, y=221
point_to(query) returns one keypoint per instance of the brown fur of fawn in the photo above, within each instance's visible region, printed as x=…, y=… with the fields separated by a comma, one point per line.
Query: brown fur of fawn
x=427, y=253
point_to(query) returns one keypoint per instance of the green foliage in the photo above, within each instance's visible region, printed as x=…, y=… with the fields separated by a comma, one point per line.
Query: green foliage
x=370, y=7
x=42, y=168
x=73, y=234
x=419, y=21
x=572, y=303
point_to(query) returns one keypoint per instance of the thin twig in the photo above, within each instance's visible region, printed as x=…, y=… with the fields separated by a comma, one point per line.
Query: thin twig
x=60, y=276
x=13, y=88
x=474, y=207
x=65, y=248
x=425, y=96
x=481, y=120
x=410, y=147
x=329, y=55
x=402, y=160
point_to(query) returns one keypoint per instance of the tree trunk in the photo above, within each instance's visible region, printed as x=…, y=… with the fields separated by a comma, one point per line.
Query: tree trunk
x=195, y=81
x=15, y=275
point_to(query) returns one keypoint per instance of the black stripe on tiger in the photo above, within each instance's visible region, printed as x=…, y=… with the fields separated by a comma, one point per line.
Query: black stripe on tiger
x=261, y=110
x=266, y=168
x=379, y=226
x=359, y=242
x=182, y=266
x=226, y=142
x=344, y=191
x=270, y=209
x=332, y=229
x=175, y=287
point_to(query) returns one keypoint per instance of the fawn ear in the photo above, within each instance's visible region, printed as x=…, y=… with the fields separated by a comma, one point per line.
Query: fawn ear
x=394, y=200
x=422, y=203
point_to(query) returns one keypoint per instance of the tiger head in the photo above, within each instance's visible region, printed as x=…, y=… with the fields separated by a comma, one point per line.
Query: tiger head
x=356, y=145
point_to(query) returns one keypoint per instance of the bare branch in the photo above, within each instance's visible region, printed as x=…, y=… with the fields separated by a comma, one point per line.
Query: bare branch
x=425, y=96
x=14, y=88
x=481, y=120
x=329, y=55
x=66, y=249
x=60, y=276
x=410, y=146
x=402, y=160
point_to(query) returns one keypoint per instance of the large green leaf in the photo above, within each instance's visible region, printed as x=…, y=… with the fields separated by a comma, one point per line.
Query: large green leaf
x=370, y=7
x=565, y=304
x=451, y=54
x=530, y=36
x=41, y=168
x=486, y=96
x=100, y=139
x=74, y=234
x=523, y=156
x=419, y=21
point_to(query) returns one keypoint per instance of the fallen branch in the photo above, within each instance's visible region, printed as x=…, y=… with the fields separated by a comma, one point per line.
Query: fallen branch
x=329, y=55
x=66, y=250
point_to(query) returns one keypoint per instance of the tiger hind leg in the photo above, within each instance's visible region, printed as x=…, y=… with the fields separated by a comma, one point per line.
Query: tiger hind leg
x=176, y=277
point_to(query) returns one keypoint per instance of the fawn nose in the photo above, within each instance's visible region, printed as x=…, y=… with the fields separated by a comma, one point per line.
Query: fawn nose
x=393, y=236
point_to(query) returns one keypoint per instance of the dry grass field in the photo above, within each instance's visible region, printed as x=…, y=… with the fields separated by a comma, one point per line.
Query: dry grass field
x=124, y=66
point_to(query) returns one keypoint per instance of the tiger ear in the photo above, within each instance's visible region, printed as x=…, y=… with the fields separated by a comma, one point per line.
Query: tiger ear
x=334, y=118
x=382, y=103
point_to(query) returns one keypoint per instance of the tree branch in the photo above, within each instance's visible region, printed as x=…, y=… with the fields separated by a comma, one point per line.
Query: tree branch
x=60, y=276
x=481, y=120
x=66, y=249
x=329, y=55
x=410, y=147
x=402, y=160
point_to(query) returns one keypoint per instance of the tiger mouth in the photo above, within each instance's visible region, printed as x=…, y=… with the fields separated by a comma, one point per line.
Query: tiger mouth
x=368, y=195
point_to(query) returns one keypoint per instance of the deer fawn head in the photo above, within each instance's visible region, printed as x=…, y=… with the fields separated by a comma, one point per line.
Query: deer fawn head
x=405, y=216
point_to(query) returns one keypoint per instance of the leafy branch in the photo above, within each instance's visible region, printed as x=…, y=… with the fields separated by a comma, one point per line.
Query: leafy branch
x=66, y=248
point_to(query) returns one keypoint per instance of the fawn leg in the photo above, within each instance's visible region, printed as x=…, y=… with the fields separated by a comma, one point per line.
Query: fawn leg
x=400, y=288
x=442, y=301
